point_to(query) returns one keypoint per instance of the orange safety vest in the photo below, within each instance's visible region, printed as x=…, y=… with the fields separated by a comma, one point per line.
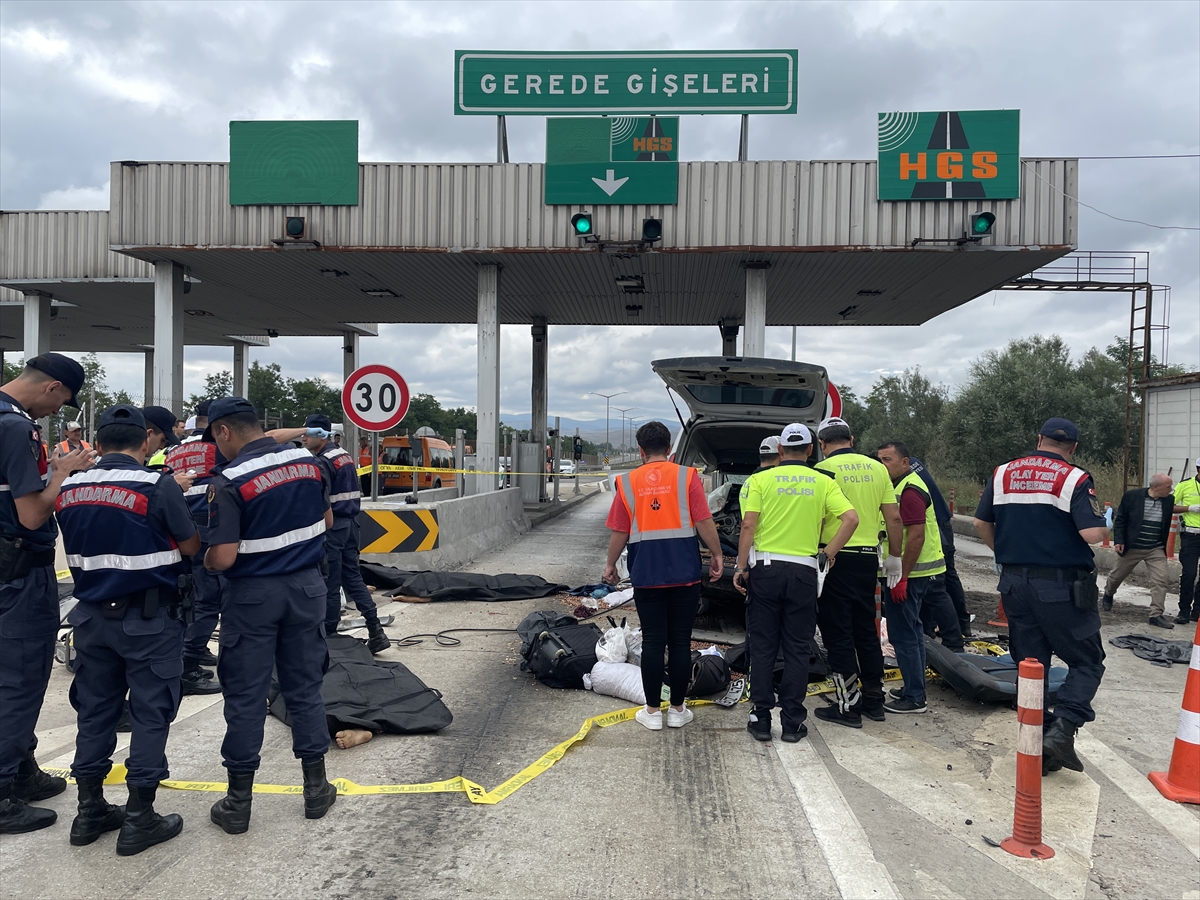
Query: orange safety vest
x=364, y=457
x=65, y=446
x=663, y=551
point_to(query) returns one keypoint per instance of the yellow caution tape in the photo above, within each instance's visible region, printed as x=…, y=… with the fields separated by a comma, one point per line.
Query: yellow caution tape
x=397, y=470
x=62, y=574
x=987, y=647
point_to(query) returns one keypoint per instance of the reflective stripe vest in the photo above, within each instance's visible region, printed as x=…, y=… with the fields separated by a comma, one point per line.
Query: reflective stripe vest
x=282, y=498
x=868, y=486
x=1031, y=502
x=10, y=522
x=931, y=561
x=65, y=446
x=199, y=459
x=364, y=456
x=663, y=550
x=345, y=497
x=112, y=547
x=1187, y=493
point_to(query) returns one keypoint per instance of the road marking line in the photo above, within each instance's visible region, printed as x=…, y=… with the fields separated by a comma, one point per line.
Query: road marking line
x=1138, y=788
x=838, y=832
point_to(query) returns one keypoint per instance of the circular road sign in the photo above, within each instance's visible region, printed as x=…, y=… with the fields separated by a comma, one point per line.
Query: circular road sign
x=375, y=398
x=833, y=402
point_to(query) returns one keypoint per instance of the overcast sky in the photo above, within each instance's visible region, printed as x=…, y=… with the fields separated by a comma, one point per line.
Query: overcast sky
x=85, y=83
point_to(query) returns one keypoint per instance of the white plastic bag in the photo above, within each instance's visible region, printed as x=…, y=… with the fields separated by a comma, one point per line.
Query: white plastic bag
x=633, y=644
x=611, y=647
x=620, y=679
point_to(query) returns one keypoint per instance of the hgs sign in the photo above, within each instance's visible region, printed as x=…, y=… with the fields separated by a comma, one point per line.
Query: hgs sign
x=950, y=155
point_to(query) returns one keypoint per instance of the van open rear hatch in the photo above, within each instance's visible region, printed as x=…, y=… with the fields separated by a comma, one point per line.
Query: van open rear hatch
x=726, y=387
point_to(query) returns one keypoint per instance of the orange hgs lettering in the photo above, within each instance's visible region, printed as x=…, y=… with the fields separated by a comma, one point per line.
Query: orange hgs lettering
x=984, y=162
x=948, y=165
x=652, y=144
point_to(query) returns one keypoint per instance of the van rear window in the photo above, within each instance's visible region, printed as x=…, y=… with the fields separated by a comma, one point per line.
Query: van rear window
x=793, y=398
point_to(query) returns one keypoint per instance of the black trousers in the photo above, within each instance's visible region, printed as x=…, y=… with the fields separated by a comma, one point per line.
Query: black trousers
x=955, y=589
x=666, y=614
x=781, y=613
x=937, y=611
x=846, y=617
x=1189, y=557
x=28, y=629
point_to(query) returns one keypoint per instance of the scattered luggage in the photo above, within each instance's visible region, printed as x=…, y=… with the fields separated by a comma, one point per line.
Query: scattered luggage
x=988, y=679
x=558, y=650
x=435, y=586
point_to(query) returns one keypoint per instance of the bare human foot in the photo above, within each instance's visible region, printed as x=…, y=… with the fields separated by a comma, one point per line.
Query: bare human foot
x=352, y=737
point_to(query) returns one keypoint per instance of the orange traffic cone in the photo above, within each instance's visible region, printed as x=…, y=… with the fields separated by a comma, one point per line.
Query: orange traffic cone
x=1001, y=620
x=1182, y=782
x=1026, y=838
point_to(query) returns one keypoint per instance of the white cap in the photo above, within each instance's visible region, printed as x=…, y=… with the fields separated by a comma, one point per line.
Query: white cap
x=190, y=424
x=795, y=435
x=830, y=422
x=71, y=426
x=1198, y=462
x=769, y=446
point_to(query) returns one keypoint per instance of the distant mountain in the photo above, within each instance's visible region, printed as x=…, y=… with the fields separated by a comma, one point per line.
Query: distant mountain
x=592, y=429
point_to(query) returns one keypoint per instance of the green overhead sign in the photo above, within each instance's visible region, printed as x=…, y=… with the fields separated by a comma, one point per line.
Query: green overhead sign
x=950, y=155
x=610, y=161
x=515, y=83
x=291, y=163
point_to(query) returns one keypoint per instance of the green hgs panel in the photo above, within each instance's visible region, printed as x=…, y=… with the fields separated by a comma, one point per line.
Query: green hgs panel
x=290, y=163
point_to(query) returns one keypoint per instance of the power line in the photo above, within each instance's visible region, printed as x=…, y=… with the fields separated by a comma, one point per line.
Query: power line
x=1163, y=156
x=1110, y=215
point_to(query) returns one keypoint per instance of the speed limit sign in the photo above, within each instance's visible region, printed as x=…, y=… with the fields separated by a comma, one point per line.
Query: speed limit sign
x=375, y=398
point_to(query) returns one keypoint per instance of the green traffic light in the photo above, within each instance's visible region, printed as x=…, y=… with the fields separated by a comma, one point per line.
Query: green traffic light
x=982, y=223
x=581, y=223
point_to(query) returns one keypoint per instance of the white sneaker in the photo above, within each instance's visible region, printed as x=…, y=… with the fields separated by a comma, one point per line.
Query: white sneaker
x=653, y=721
x=678, y=718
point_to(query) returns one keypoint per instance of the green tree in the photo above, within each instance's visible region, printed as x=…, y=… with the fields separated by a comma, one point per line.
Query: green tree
x=216, y=384
x=270, y=393
x=905, y=407
x=312, y=396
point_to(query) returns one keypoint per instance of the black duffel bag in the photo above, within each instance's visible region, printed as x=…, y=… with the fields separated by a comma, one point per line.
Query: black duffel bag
x=710, y=674
x=558, y=650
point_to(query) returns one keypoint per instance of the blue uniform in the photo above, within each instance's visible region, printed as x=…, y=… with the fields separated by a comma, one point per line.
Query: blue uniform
x=29, y=616
x=341, y=541
x=121, y=525
x=271, y=502
x=202, y=459
x=1039, y=504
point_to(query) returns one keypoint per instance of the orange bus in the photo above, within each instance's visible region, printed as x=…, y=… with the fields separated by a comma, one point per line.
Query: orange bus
x=428, y=453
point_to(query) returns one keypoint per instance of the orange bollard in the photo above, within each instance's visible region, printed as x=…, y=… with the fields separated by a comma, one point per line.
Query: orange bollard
x=1182, y=782
x=1171, y=535
x=1001, y=620
x=1026, y=838
x=953, y=511
x=1107, y=534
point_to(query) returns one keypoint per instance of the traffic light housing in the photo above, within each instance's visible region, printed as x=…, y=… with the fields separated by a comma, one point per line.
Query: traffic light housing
x=581, y=225
x=578, y=451
x=294, y=227
x=651, y=230
x=981, y=225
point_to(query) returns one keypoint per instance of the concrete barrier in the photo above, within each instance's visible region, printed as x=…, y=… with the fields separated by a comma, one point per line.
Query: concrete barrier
x=1106, y=557
x=468, y=527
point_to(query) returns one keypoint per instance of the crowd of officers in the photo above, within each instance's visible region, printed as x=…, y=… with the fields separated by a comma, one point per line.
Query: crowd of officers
x=165, y=530
x=818, y=539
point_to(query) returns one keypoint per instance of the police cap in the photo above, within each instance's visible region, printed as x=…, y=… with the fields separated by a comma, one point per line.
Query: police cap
x=795, y=435
x=202, y=408
x=162, y=419
x=319, y=421
x=121, y=414
x=226, y=406
x=769, y=446
x=1062, y=430
x=61, y=368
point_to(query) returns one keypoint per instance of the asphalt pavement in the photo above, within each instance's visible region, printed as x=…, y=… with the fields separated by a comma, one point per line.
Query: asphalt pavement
x=897, y=809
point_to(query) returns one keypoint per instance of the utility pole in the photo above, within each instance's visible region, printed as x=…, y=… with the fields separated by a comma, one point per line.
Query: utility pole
x=607, y=401
x=793, y=343
x=622, y=412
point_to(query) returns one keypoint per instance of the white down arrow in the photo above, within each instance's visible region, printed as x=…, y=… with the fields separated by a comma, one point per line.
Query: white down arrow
x=610, y=185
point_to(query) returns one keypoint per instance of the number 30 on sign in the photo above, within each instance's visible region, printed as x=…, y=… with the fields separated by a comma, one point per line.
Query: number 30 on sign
x=375, y=398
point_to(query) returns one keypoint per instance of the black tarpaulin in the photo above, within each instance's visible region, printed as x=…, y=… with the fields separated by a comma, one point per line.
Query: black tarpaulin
x=458, y=585
x=361, y=691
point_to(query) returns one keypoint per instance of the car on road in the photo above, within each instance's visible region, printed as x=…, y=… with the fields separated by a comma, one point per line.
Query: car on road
x=566, y=467
x=734, y=403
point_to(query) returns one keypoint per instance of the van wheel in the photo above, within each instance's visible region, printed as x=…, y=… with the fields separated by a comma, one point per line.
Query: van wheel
x=437, y=483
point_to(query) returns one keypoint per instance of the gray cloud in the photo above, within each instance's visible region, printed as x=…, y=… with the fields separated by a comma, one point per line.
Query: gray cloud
x=83, y=84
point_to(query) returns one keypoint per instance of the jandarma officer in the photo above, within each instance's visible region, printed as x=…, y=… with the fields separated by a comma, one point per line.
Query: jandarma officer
x=127, y=532
x=268, y=513
x=198, y=459
x=1039, y=513
x=782, y=512
x=29, y=614
x=341, y=541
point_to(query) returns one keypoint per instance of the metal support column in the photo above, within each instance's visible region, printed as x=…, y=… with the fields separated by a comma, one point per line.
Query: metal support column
x=729, y=335
x=501, y=140
x=168, y=336
x=37, y=324
x=541, y=353
x=487, y=401
x=754, y=340
x=148, y=385
x=744, y=140
x=350, y=350
x=241, y=368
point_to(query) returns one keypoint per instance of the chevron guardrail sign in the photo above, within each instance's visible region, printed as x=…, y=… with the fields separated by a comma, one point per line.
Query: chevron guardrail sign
x=398, y=530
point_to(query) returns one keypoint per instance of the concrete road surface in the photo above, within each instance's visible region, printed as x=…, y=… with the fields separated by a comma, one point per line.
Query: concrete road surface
x=898, y=809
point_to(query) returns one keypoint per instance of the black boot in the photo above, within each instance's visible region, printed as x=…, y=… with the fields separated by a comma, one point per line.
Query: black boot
x=1058, y=745
x=144, y=827
x=319, y=794
x=33, y=784
x=232, y=812
x=18, y=817
x=377, y=639
x=96, y=815
x=198, y=681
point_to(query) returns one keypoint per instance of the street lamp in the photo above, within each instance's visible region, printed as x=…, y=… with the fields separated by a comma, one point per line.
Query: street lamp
x=607, y=401
x=622, y=412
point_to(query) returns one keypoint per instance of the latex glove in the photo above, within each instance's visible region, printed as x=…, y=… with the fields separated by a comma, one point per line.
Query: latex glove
x=900, y=591
x=317, y=433
x=892, y=569
x=1194, y=508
